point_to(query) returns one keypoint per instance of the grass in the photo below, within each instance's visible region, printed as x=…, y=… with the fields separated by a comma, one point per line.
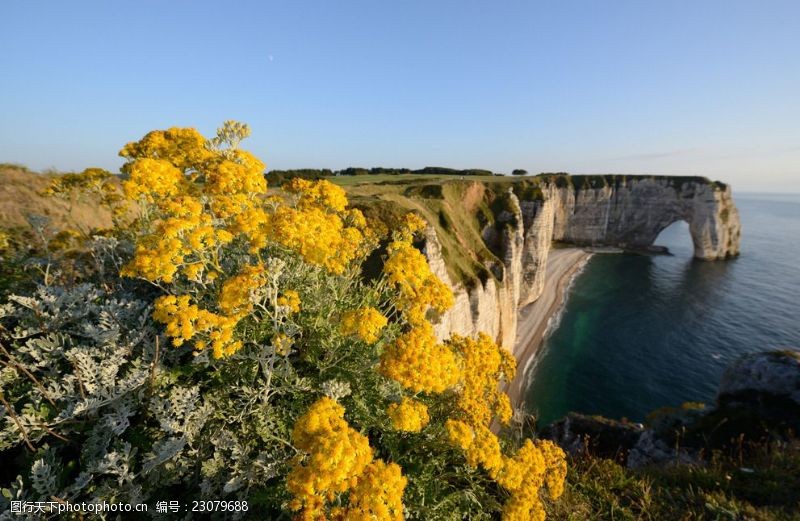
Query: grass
x=452, y=208
x=19, y=196
x=762, y=483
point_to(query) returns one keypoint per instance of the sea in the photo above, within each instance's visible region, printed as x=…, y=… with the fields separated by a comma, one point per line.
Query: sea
x=638, y=333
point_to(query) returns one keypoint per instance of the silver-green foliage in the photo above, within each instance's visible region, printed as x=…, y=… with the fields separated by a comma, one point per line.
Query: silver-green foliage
x=90, y=389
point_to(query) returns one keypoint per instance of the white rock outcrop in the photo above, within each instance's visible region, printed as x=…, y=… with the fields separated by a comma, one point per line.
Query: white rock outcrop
x=633, y=211
x=622, y=211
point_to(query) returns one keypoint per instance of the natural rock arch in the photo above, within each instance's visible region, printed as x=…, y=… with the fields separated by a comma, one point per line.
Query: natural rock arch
x=630, y=212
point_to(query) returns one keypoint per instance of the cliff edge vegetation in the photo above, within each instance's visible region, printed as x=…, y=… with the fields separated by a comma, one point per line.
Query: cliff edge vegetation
x=736, y=459
x=219, y=344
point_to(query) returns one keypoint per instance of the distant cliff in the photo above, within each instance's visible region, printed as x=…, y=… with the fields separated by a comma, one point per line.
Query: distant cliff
x=630, y=212
x=489, y=240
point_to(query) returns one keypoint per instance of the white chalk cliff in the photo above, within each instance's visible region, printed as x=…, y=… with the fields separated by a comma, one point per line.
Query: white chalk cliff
x=594, y=211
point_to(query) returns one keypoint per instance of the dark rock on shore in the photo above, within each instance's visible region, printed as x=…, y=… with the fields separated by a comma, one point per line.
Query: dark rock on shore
x=578, y=433
x=758, y=400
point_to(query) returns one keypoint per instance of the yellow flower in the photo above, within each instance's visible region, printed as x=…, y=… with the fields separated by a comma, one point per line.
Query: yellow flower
x=282, y=344
x=238, y=292
x=336, y=455
x=154, y=179
x=185, y=321
x=480, y=402
x=290, y=300
x=408, y=415
x=408, y=271
x=419, y=363
x=243, y=175
x=483, y=363
x=319, y=236
x=184, y=148
x=313, y=194
x=377, y=495
x=367, y=323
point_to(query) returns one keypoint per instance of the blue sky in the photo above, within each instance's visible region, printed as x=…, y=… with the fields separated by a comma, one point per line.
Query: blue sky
x=669, y=87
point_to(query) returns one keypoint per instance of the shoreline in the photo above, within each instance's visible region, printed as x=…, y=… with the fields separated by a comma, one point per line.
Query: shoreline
x=535, y=319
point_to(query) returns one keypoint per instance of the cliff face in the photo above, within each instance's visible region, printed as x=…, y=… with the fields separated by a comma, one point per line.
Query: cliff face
x=631, y=212
x=620, y=211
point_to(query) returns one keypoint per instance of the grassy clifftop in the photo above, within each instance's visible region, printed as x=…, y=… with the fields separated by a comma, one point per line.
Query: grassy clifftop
x=462, y=208
x=464, y=213
x=19, y=197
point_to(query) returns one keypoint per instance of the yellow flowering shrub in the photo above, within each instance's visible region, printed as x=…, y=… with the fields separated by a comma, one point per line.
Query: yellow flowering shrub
x=290, y=300
x=339, y=459
x=200, y=199
x=225, y=252
x=94, y=182
x=480, y=402
x=484, y=363
x=408, y=415
x=366, y=323
x=377, y=495
x=419, y=362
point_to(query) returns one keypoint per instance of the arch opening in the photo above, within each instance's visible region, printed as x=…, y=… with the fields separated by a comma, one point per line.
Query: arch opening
x=677, y=239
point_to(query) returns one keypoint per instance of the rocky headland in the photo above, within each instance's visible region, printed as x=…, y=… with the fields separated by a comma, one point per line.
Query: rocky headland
x=498, y=244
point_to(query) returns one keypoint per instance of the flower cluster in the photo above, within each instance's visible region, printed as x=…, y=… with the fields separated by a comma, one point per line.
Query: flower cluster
x=480, y=445
x=94, y=182
x=185, y=321
x=480, y=402
x=416, y=359
x=419, y=362
x=290, y=300
x=408, y=415
x=185, y=148
x=537, y=463
x=200, y=198
x=408, y=271
x=366, y=323
x=377, y=495
x=336, y=456
x=339, y=459
x=238, y=293
x=182, y=241
x=483, y=363
x=318, y=226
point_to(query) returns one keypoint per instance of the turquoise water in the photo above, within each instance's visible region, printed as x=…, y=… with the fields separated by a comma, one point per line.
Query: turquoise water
x=638, y=333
